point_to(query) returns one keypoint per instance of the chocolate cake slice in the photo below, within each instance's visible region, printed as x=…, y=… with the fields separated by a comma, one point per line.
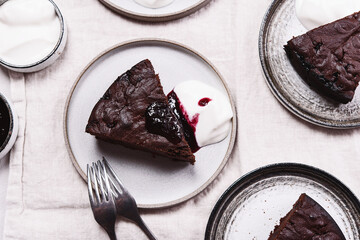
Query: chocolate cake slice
x=328, y=57
x=134, y=112
x=307, y=221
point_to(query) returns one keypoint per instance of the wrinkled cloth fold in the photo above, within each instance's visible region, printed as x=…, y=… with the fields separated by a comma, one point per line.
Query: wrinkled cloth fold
x=46, y=197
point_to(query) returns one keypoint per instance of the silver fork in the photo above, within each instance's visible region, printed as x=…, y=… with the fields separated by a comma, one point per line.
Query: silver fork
x=103, y=204
x=125, y=203
x=2, y=2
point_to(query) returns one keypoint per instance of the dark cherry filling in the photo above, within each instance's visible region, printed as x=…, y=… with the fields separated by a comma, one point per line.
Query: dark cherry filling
x=189, y=125
x=204, y=101
x=159, y=119
x=4, y=122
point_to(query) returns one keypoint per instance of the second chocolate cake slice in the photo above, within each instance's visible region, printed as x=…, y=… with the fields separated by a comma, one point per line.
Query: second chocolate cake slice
x=307, y=221
x=134, y=112
x=328, y=57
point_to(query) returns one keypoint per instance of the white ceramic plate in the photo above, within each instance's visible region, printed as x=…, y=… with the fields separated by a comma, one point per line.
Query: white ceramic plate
x=175, y=10
x=153, y=181
x=280, y=24
x=254, y=204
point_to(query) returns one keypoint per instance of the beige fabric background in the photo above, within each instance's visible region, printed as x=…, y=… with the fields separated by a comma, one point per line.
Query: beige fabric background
x=47, y=199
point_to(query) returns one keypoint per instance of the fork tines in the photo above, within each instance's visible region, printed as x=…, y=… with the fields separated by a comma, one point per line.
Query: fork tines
x=97, y=175
x=103, y=204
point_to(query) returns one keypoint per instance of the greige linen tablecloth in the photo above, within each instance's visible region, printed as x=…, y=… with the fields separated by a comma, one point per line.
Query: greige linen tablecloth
x=46, y=197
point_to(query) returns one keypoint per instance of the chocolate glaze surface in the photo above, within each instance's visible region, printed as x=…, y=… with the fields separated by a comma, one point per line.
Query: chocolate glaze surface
x=4, y=122
x=307, y=221
x=120, y=115
x=328, y=57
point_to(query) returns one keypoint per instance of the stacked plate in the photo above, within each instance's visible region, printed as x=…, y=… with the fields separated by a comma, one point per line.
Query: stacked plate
x=174, y=10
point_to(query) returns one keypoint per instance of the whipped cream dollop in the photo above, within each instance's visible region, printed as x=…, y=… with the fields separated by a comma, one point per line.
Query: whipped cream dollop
x=154, y=3
x=29, y=30
x=314, y=13
x=207, y=110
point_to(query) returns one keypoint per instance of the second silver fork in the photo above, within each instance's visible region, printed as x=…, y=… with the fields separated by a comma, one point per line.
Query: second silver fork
x=125, y=203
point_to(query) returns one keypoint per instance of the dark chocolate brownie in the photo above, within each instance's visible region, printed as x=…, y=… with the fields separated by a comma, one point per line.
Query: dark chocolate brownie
x=328, y=57
x=307, y=221
x=134, y=112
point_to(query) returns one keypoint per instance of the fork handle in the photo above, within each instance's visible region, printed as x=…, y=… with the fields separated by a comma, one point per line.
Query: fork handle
x=145, y=229
x=112, y=234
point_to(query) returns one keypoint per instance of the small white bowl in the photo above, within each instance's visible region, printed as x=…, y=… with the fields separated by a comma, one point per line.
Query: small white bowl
x=51, y=57
x=13, y=130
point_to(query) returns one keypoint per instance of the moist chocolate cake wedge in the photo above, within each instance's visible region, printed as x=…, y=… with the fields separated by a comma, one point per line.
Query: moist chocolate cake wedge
x=134, y=112
x=328, y=57
x=307, y=221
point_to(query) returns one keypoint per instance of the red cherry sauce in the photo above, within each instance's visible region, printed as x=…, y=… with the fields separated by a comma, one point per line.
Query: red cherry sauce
x=160, y=119
x=189, y=125
x=4, y=122
x=204, y=101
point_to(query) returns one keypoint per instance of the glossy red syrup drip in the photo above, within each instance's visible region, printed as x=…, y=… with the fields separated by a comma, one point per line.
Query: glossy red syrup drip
x=204, y=101
x=193, y=121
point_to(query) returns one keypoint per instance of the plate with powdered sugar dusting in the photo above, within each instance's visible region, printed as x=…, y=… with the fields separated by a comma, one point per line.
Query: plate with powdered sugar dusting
x=281, y=24
x=154, y=181
x=155, y=10
x=252, y=206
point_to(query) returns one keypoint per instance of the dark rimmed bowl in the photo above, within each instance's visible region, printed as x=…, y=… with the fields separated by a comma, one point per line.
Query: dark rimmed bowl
x=13, y=129
x=254, y=204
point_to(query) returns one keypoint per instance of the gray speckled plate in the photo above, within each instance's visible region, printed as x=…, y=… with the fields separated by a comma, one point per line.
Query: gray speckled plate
x=254, y=204
x=280, y=24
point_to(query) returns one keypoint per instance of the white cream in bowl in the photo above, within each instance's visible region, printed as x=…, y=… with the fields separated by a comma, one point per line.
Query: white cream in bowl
x=154, y=3
x=314, y=13
x=32, y=34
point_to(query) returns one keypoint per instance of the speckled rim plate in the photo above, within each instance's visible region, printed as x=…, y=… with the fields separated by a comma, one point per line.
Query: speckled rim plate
x=280, y=25
x=273, y=190
x=146, y=179
x=153, y=15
